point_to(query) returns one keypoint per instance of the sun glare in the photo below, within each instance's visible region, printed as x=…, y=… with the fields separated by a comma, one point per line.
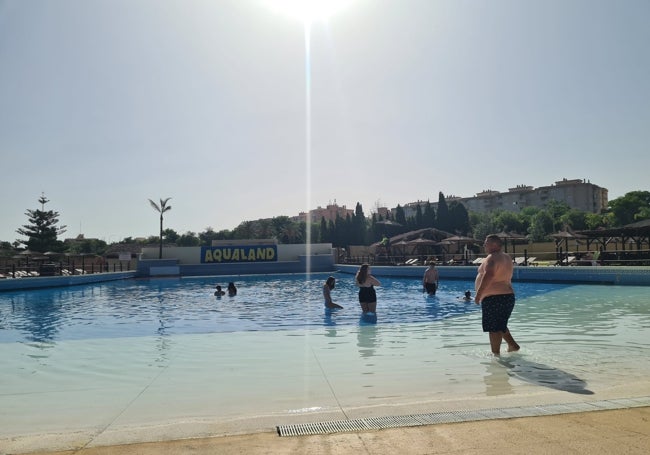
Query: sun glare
x=308, y=11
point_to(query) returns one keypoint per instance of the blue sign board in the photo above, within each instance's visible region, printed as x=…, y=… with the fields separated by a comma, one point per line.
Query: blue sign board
x=247, y=253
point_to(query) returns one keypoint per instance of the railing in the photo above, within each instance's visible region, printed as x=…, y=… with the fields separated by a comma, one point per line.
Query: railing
x=60, y=269
x=542, y=258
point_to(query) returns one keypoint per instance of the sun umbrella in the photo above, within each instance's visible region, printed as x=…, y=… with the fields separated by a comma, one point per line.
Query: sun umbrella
x=566, y=235
x=27, y=253
x=459, y=239
x=514, y=237
x=422, y=242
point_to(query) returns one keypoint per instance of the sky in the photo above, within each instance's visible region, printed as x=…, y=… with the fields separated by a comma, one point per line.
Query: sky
x=239, y=111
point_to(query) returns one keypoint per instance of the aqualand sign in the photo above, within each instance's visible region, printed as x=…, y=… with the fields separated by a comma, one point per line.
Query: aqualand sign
x=248, y=253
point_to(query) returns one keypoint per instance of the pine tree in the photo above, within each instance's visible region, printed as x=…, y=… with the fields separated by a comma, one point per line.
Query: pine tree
x=444, y=223
x=359, y=225
x=42, y=230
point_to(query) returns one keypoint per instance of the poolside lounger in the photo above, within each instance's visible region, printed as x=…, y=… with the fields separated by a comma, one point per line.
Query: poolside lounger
x=522, y=260
x=477, y=261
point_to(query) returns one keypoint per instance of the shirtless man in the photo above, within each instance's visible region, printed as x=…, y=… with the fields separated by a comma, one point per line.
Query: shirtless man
x=430, y=279
x=494, y=291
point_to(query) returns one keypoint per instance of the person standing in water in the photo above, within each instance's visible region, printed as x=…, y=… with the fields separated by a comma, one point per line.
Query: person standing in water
x=367, y=295
x=495, y=294
x=327, y=287
x=430, y=279
x=219, y=292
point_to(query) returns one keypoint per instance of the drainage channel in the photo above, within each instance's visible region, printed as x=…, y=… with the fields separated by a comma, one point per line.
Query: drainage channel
x=413, y=420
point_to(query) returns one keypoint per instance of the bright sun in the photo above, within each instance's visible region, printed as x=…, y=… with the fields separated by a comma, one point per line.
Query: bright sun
x=308, y=11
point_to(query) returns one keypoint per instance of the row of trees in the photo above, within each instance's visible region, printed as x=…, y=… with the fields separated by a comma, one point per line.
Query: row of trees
x=538, y=223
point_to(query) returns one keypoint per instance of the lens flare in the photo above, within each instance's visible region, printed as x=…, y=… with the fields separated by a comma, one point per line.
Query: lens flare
x=308, y=11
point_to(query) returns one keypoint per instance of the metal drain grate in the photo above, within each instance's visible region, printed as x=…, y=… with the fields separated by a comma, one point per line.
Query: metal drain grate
x=336, y=426
x=414, y=420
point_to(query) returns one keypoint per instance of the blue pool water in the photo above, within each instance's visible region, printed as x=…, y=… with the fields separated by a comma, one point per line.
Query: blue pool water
x=139, y=360
x=174, y=306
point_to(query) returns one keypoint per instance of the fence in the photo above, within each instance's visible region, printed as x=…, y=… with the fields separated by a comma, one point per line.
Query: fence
x=557, y=257
x=14, y=270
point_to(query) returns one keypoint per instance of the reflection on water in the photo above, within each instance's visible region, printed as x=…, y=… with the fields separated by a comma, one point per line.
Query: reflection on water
x=496, y=380
x=39, y=321
x=367, y=338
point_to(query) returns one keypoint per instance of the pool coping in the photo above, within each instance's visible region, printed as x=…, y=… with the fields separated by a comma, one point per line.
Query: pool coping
x=609, y=275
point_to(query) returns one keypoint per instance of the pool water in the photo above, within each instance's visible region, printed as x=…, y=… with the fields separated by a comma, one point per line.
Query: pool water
x=158, y=359
x=176, y=306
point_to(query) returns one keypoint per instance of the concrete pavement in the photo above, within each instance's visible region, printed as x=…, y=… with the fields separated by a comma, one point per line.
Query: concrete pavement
x=596, y=432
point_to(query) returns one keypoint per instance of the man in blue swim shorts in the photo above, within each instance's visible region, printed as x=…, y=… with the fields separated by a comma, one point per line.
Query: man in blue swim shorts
x=495, y=294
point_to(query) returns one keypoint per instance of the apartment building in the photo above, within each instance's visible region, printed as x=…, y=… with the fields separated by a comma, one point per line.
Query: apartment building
x=577, y=193
x=330, y=213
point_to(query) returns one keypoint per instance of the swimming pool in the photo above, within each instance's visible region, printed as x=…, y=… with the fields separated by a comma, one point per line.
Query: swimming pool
x=163, y=358
x=176, y=306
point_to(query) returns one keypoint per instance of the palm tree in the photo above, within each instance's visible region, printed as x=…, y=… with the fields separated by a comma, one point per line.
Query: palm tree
x=162, y=208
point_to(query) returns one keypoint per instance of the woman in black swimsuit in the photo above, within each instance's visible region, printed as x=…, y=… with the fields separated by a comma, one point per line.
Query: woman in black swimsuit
x=366, y=283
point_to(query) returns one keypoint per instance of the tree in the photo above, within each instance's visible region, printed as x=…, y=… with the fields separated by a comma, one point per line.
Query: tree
x=429, y=216
x=508, y=221
x=324, y=232
x=171, y=235
x=283, y=229
x=634, y=206
x=459, y=218
x=243, y=231
x=162, y=208
x=444, y=223
x=483, y=224
x=541, y=226
x=206, y=237
x=42, y=230
x=88, y=246
x=400, y=216
x=575, y=219
x=291, y=232
x=358, y=226
x=188, y=239
x=555, y=209
x=419, y=218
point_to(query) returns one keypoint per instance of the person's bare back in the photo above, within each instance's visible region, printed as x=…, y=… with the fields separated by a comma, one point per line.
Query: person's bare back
x=494, y=276
x=495, y=294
